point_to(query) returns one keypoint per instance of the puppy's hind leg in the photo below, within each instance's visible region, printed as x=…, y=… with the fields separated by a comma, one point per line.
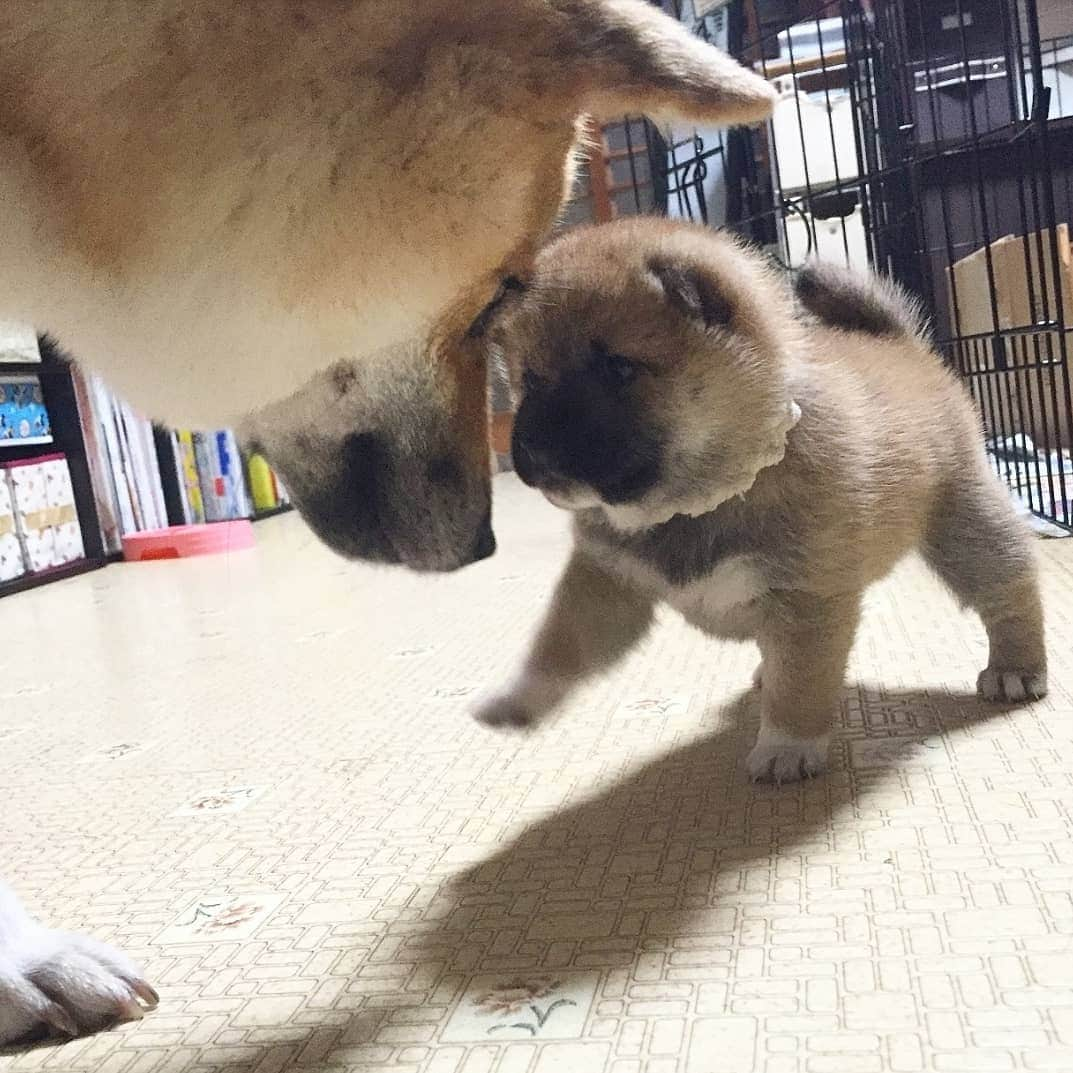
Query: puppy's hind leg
x=980, y=548
x=805, y=643
x=593, y=621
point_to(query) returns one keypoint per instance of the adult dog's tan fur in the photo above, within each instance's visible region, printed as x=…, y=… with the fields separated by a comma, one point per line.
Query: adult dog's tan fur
x=212, y=202
x=752, y=461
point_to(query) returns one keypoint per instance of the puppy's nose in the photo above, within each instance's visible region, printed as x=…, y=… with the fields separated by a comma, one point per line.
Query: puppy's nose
x=532, y=461
x=486, y=540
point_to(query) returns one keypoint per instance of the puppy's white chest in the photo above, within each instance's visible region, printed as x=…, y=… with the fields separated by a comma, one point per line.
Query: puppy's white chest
x=708, y=601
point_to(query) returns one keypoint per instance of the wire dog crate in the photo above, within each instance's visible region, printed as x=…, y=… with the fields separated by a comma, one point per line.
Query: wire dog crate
x=930, y=139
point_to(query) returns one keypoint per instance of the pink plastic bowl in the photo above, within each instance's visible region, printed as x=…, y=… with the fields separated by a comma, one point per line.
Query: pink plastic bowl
x=182, y=541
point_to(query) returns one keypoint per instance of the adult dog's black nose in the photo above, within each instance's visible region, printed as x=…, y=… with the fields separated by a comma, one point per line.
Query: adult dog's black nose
x=486, y=540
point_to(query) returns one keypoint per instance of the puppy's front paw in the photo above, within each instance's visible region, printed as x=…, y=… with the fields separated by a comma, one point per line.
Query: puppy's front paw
x=55, y=983
x=1011, y=685
x=781, y=757
x=505, y=711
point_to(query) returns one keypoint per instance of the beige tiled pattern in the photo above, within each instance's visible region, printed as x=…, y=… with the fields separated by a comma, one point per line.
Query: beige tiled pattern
x=257, y=775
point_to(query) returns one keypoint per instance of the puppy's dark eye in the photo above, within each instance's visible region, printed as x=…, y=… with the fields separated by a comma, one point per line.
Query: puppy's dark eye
x=530, y=382
x=615, y=368
x=618, y=369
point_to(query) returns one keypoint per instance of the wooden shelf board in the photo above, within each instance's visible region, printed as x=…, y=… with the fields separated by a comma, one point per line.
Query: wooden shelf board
x=44, y=577
x=283, y=508
x=26, y=441
x=31, y=368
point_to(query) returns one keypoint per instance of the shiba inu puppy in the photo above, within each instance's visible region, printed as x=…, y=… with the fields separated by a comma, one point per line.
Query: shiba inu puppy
x=755, y=457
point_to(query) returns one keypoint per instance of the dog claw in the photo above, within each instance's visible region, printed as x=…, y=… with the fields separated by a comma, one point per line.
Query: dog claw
x=62, y=984
x=787, y=762
x=147, y=994
x=58, y=1019
x=1012, y=686
x=131, y=1010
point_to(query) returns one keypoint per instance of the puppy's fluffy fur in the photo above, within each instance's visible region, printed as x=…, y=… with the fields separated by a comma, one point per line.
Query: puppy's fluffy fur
x=753, y=457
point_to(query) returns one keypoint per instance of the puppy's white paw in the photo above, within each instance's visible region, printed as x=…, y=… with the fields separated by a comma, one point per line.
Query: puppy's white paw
x=758, y=676
x=781, y=757
x=1013, y=686
x=504, y=711
x=56, y=983
x=524, y=703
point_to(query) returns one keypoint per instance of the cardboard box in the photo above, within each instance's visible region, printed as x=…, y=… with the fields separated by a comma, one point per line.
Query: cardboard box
x=1015, y=391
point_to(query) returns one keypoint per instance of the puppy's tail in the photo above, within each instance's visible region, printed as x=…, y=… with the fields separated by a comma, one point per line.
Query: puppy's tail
x=856, y=301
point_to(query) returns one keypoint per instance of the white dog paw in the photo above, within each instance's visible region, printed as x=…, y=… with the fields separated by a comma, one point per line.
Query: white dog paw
x=758, y=676
x=56, y=983
x=504, y=711
x=1012, y=686
x=522, y=704
x=781, y=757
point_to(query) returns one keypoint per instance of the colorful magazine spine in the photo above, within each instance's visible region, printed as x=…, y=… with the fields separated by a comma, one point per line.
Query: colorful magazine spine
x=106, y=416
x=185, y=441
x=176, y=455
x=209, y=476
x=104, y=494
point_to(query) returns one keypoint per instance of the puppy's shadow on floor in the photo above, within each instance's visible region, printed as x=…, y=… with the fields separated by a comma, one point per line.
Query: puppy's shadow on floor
x=670, y=854
x=669, y=857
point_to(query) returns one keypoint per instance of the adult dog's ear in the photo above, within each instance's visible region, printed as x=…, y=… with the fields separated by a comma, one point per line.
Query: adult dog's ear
x=690, y=290
x=632, y=58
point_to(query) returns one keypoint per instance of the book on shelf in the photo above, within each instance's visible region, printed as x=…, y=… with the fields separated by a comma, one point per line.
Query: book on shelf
x=24, y=418
x=173, y=483
x=98, y=461
x=184, y=445
x=149, y=477
x=210, y=476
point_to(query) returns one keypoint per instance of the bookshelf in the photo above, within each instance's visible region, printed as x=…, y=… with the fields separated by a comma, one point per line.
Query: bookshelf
x=77, y=417
x=57, y=389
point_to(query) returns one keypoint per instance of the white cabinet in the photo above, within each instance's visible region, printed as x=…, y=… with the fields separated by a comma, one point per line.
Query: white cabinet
x=814, y=144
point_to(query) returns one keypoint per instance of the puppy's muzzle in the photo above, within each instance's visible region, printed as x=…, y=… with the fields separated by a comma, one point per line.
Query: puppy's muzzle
x=535, y=465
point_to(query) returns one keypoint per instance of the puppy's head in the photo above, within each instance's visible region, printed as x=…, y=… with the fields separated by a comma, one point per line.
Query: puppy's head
x=651, y=365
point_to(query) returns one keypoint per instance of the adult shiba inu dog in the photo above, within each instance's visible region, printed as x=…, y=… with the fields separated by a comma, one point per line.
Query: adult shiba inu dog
x=753, y=458
x=289, y=215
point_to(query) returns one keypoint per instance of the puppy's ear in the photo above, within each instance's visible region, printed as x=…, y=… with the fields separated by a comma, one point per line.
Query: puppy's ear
x=632, y=58
x=690, y=290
